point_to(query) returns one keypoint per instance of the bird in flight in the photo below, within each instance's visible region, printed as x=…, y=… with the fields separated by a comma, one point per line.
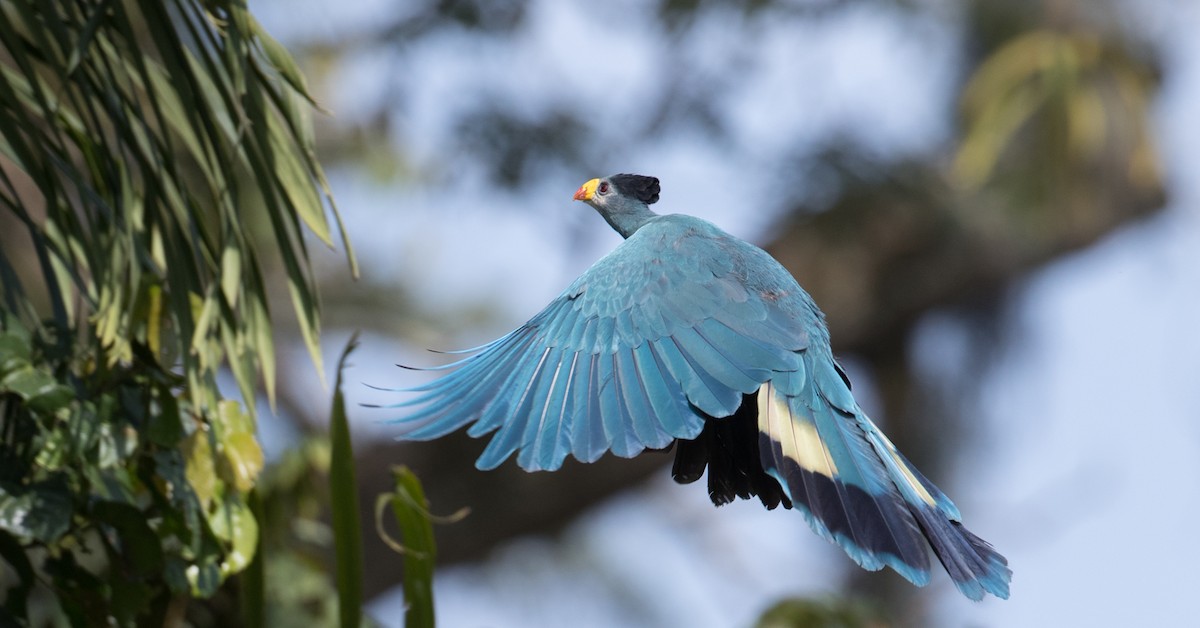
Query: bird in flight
x=685, y=335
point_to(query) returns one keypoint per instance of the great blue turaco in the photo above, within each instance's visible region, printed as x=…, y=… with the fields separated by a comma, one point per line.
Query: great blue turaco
x=686, y=336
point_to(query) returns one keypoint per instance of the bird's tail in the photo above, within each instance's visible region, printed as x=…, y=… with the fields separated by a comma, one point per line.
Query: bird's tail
x=858, y=491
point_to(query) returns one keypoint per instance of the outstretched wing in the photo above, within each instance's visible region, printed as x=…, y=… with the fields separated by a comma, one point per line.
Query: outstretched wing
x=666, y=324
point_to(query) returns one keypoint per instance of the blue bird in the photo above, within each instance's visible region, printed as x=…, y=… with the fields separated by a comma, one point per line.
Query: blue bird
x=686, y=335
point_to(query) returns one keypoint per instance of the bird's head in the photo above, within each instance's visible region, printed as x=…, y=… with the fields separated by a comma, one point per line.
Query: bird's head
x=623, y=200
x=611, y=192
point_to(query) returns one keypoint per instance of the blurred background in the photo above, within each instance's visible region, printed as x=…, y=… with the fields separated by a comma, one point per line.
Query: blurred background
x=994, y=201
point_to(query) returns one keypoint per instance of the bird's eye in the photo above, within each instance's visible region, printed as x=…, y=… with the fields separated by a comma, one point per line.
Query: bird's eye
x=603, y=187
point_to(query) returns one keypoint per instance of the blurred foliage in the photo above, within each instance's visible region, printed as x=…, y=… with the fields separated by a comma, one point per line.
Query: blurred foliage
x=808, y=613
x=311, y=548
x=1074, y=97
x=297, y=539
x=151, y=155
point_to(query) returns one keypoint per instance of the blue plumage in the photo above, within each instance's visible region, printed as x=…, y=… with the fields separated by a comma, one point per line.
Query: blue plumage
x=687, y=335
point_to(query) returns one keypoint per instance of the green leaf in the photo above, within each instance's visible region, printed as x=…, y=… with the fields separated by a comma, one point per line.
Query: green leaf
x=175, y=574
x=297, y=183
x=117, y=484
x=130, y=599
x=232, y=419
x=200, y=470
x=27, y=382
x=14, y=352
x=281, y=59
x=166, y=425
x=41, y=511
x=171, y=470
x=253, y=580
x=343, y=492
x=141, y=550
x=199, y=579
x=233, y=523
x=820, y=613
x=258, y=320
x=412, y=515
x=243, y=458
x=231, y=273
x=41, y=391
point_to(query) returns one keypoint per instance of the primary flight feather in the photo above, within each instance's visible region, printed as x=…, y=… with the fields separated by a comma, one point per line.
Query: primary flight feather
x=687, y=335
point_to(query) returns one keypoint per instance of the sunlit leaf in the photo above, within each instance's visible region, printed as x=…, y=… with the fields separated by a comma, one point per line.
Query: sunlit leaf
x=201, y=473
x=231, y=273
x=233, y=523
x=41, y=391
x=244, y=458
x=204, y=578
x=298, y=185
x=281, y=59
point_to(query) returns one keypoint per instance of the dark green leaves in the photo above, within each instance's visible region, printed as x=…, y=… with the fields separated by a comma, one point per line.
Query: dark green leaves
x=36, y=387
x=12, y=552
x=140, y=548
x=157, y=163
x=40, y=512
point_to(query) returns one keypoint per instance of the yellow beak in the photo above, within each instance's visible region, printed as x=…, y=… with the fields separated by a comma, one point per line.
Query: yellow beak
x=587, y=190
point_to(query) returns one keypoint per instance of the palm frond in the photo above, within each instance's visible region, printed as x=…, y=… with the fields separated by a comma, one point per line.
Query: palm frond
x=146, y=149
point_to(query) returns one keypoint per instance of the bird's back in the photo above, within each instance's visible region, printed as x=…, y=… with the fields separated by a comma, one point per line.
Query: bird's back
x=697, y=246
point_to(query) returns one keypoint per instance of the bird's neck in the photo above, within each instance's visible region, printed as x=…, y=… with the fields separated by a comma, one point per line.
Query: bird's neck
x=629, y=219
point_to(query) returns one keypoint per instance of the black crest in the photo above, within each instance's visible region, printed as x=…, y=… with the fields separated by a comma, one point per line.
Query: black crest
x=643, y=188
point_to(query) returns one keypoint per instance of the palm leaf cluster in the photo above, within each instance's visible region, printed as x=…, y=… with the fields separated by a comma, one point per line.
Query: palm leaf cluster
x=156, y=166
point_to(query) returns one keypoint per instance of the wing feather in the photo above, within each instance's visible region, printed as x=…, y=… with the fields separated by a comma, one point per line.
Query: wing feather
x=587, y=431
x=637, y=401
x=667, y=400
x=655, y=337
x=709, y=361
x=546, y=437
x=510, y=435
x=462, y=395
x=618, y=432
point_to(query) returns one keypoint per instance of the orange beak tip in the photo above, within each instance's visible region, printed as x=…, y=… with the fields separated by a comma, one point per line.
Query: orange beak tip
x=587, y=191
